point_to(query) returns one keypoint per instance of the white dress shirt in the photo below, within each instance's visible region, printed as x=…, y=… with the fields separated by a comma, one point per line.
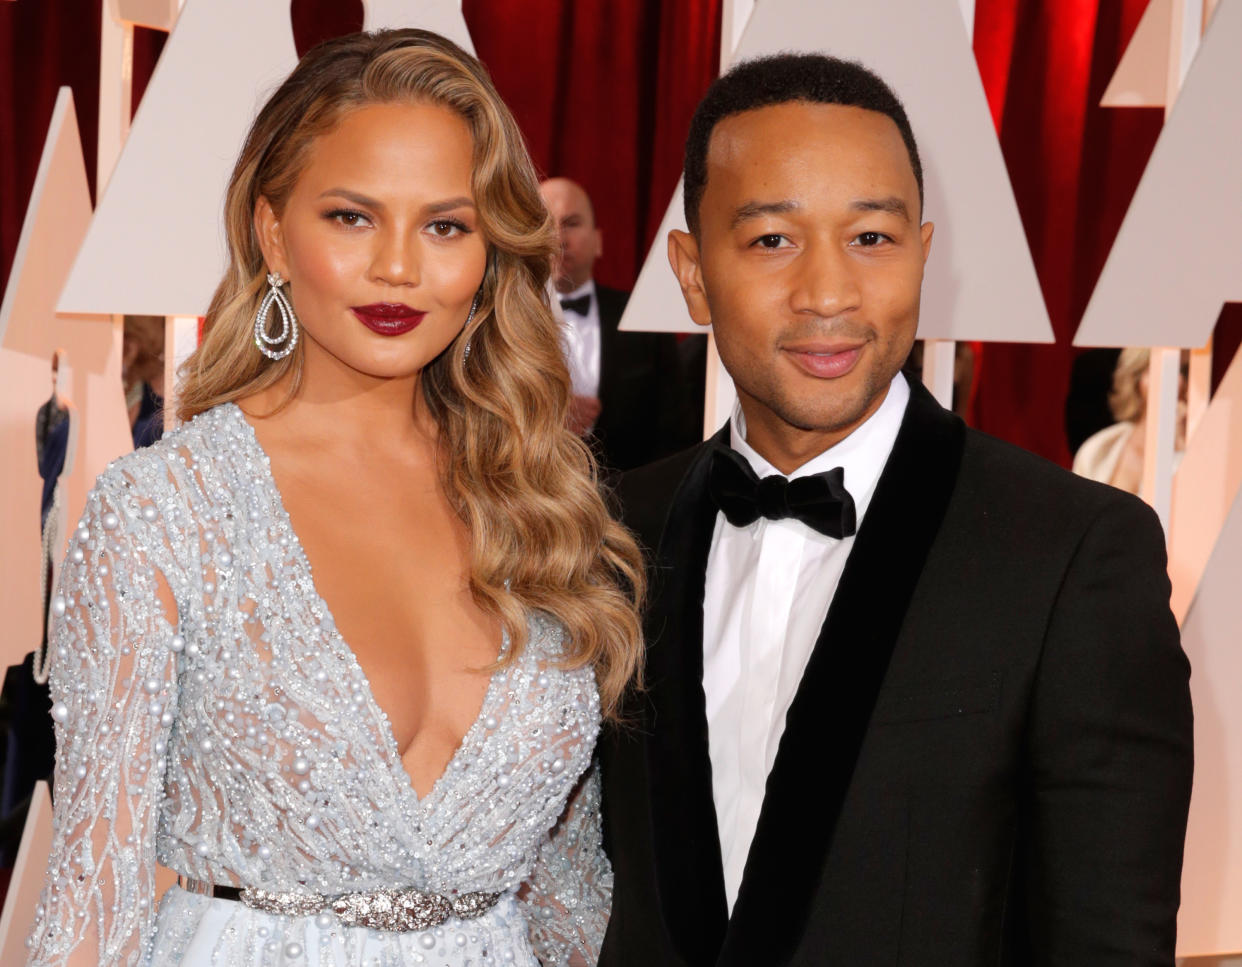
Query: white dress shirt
x=582, y=342
x=767, y=594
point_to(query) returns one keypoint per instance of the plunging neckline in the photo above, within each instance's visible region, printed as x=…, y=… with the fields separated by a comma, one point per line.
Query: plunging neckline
x=333, y=633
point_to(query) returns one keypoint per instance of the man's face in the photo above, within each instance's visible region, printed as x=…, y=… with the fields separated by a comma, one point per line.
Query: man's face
x=808, y=264
x=581, y=241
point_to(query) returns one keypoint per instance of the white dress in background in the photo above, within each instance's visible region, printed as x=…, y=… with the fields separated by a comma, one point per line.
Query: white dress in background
x=236, y=741
x=1099, y=454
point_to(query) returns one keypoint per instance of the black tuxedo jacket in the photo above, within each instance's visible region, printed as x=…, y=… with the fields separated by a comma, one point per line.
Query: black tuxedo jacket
x=988, y=759
x=644, y=401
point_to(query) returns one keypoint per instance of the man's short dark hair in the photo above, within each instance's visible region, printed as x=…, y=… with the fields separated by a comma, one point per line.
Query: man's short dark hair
x=782, y=79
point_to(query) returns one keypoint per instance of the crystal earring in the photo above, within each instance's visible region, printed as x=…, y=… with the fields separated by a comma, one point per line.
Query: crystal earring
x=288, y=321
x=474, y=307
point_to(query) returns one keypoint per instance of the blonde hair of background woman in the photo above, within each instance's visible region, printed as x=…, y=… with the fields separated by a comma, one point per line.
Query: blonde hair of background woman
x=1126, y=398
x=523, y=483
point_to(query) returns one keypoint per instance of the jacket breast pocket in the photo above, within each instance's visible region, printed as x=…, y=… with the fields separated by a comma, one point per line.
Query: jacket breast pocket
x=973, y=694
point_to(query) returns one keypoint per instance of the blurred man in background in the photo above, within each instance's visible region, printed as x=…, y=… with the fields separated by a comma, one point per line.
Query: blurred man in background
x=629, y=395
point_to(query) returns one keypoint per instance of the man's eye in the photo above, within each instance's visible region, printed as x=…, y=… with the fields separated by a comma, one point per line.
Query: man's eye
x=769, y=241
x=868, y=239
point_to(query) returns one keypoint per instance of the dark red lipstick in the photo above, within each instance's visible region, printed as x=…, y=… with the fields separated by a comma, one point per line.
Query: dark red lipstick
x=388, y=318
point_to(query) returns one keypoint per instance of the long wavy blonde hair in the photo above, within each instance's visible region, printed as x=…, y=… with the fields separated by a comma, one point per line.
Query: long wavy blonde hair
x=541, y=536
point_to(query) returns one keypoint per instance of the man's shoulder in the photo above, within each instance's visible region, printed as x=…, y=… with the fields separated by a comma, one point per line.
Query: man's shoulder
x=659, y=478
x=645, y=494
x=1014, y=489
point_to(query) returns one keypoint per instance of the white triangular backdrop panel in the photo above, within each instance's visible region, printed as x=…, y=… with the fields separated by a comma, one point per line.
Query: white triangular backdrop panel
x=56, y=219
x=980, y=281
x=1142, y=76
x=19, y=904
x=30, y=331
x=155, y=14
x=1212, y=872
x=156, y=245
x=1177, y=258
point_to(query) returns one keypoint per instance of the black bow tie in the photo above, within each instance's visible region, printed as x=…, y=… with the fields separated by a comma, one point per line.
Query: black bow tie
x=819, y=500
x=580, y=305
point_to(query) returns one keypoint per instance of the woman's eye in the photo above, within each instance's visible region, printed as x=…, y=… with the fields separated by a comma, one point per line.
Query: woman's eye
x=347, y=217
x=447, y=228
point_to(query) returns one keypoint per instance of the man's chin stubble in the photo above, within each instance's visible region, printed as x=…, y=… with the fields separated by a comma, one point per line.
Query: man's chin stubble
x=826, y=418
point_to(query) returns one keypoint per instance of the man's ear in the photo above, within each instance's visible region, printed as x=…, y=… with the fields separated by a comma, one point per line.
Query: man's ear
x=599, y=242
x=271, y=237
x=683, y=256
x=926, y=230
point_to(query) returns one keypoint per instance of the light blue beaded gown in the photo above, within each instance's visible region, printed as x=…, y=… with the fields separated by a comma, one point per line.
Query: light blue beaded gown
x=210, y=717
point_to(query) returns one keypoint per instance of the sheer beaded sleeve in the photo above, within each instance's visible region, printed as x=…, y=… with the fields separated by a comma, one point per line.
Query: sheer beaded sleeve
x=113, y=689
x=569, y=894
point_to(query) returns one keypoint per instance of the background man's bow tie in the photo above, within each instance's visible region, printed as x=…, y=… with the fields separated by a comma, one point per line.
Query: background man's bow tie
x=819, y=500
x=580, y=305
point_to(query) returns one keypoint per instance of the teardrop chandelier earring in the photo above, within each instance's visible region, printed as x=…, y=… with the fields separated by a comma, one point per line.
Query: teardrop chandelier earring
x=288, y=321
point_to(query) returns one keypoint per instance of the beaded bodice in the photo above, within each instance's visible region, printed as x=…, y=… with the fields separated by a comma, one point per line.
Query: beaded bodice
x=209, y=714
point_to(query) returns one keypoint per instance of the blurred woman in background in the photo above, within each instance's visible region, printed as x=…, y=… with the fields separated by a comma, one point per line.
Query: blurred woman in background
x=1114, y=455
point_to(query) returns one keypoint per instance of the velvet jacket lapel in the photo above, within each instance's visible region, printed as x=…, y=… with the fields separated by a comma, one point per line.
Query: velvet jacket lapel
x=687, y=844
x=831, y=710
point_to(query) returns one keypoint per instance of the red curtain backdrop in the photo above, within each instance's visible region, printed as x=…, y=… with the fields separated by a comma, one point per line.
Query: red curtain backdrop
x=1074, y=166
x=604, y=93
x=43, y=46
x=611, y=110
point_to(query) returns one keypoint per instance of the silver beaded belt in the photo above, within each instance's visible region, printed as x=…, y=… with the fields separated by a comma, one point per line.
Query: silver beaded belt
x=396, y=910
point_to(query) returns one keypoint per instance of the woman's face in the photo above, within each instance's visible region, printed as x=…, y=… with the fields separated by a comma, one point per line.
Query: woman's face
x=380, y=239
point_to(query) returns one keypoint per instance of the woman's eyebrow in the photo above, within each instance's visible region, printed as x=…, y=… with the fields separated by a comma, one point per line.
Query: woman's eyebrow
x=366, y=201
x=449, y=204
x=357, y=198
